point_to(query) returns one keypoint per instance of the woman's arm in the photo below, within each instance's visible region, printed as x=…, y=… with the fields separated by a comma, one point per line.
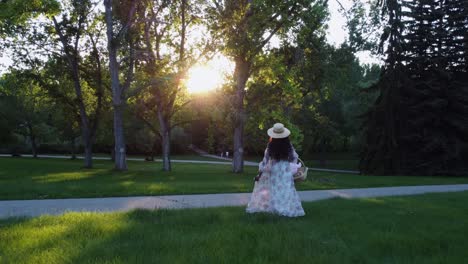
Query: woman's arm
x=263, y=164
x=295, y=156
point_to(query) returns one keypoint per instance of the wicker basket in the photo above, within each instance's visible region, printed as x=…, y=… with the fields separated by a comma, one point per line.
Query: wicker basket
x=301, y=174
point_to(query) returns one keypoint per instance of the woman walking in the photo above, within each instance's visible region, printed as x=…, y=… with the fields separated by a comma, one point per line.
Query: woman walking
x=274, y=190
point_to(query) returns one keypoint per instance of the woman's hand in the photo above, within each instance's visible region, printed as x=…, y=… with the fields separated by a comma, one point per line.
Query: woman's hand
x=257, y=178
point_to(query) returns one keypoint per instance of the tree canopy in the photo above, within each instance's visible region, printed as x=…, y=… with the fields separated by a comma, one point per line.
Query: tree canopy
x=112, y=77
x=418, y=124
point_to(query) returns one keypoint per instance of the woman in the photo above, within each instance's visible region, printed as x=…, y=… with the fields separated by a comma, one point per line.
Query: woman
x=274, y=190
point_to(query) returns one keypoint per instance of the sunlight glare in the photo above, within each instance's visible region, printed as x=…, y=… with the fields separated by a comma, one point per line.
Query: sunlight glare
x=209, y=76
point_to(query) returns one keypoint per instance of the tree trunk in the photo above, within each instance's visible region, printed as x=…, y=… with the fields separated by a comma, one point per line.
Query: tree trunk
x=166, y=141
x=241, y=74
x=88, y=157
x=117, y=98
x=32, y=137
x=74, y=70
x=113, y=155
x=238, y=157
x=120, y=159
x=72, y=147
x=166, y=151
x=34, y=146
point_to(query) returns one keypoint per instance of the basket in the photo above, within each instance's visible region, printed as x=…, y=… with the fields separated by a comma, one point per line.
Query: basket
x=301, y=174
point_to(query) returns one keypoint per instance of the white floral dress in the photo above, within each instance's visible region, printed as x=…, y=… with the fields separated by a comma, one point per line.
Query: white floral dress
x=275, y=191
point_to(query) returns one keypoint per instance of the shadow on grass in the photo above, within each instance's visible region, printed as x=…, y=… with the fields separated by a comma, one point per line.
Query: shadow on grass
x=50, y=178
x=398, y=230
x=45, y=178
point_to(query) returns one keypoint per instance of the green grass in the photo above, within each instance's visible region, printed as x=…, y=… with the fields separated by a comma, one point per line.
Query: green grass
x=53, y=178
x=337, y=161
x=175, y=157
x=420, y=229
x=190, y=157
x=25, y=178
x=345, y=164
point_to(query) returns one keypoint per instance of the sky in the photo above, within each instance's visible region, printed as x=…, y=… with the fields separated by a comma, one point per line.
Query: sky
x=336, y=33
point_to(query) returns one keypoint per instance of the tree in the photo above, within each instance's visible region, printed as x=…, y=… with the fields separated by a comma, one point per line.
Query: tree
x=418, y=124
x=15, y=14
x=25, y=107
x=70, y=29
x=165, y=29
x=282, y=99
x=119, y=90
x=64, y=34
x=246, y=27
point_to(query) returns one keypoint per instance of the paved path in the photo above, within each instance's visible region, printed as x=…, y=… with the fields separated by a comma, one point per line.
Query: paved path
x=250, y=163
x=59, y=206
x=227, y=162
x=132, y=159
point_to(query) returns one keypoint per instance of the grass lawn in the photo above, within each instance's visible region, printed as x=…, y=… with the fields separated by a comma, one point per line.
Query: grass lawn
x=26, y=178
x=337, y=161
x=429, y=228
x=175, y=157
x=345, y=164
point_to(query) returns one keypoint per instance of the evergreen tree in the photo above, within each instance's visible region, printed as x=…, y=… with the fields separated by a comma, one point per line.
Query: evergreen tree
x=418, y=124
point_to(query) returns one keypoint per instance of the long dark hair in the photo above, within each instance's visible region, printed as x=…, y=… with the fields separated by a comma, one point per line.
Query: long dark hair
x=280, y=149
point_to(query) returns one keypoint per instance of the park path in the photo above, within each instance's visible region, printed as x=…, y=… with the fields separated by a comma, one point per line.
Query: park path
x=20, y=208
x=132, y=159
x=226, y=162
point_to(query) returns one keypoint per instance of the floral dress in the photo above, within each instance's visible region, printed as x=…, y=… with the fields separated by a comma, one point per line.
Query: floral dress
x=274, y=192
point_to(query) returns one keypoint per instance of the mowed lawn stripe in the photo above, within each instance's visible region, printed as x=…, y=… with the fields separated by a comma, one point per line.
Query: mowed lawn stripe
x=429, y=228
x=53, y=178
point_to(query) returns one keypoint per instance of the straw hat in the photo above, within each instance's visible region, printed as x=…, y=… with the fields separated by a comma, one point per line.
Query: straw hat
x=278, y=131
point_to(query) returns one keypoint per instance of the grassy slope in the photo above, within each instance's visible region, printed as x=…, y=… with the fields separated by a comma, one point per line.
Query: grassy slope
x=54, y=178
x=429, y=228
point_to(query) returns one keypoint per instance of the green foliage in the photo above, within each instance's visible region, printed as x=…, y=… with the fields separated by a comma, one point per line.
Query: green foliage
x=15, y=13
x=418, y=123
x=25, y=109
x=212, y=115
x=424, y=128
x=313, y=88
x=365, y=25
x=245, y=27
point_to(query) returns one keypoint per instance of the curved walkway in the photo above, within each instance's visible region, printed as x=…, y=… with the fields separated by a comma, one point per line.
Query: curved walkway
x=227, y=162
x=59, y=206
x=132, y=159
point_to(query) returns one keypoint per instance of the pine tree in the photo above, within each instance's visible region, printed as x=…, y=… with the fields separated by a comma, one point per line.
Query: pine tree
x=419, y=123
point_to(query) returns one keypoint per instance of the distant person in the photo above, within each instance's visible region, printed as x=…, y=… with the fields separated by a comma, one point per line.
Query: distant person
x=274, y=190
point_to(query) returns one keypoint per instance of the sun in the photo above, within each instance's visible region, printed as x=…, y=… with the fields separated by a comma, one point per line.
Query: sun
x=209, y=76
x=203, y=78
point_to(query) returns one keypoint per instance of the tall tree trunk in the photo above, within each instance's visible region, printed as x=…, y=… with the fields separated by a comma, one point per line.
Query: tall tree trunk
x=34, y=146
x=241, y=74
x=72, y=57
x=113, y=155
x=88, y=150
x=32, y=137
x=120, y=159
x=72, y=147
x=117, y=97
x=85, y=134
x=165, y=130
